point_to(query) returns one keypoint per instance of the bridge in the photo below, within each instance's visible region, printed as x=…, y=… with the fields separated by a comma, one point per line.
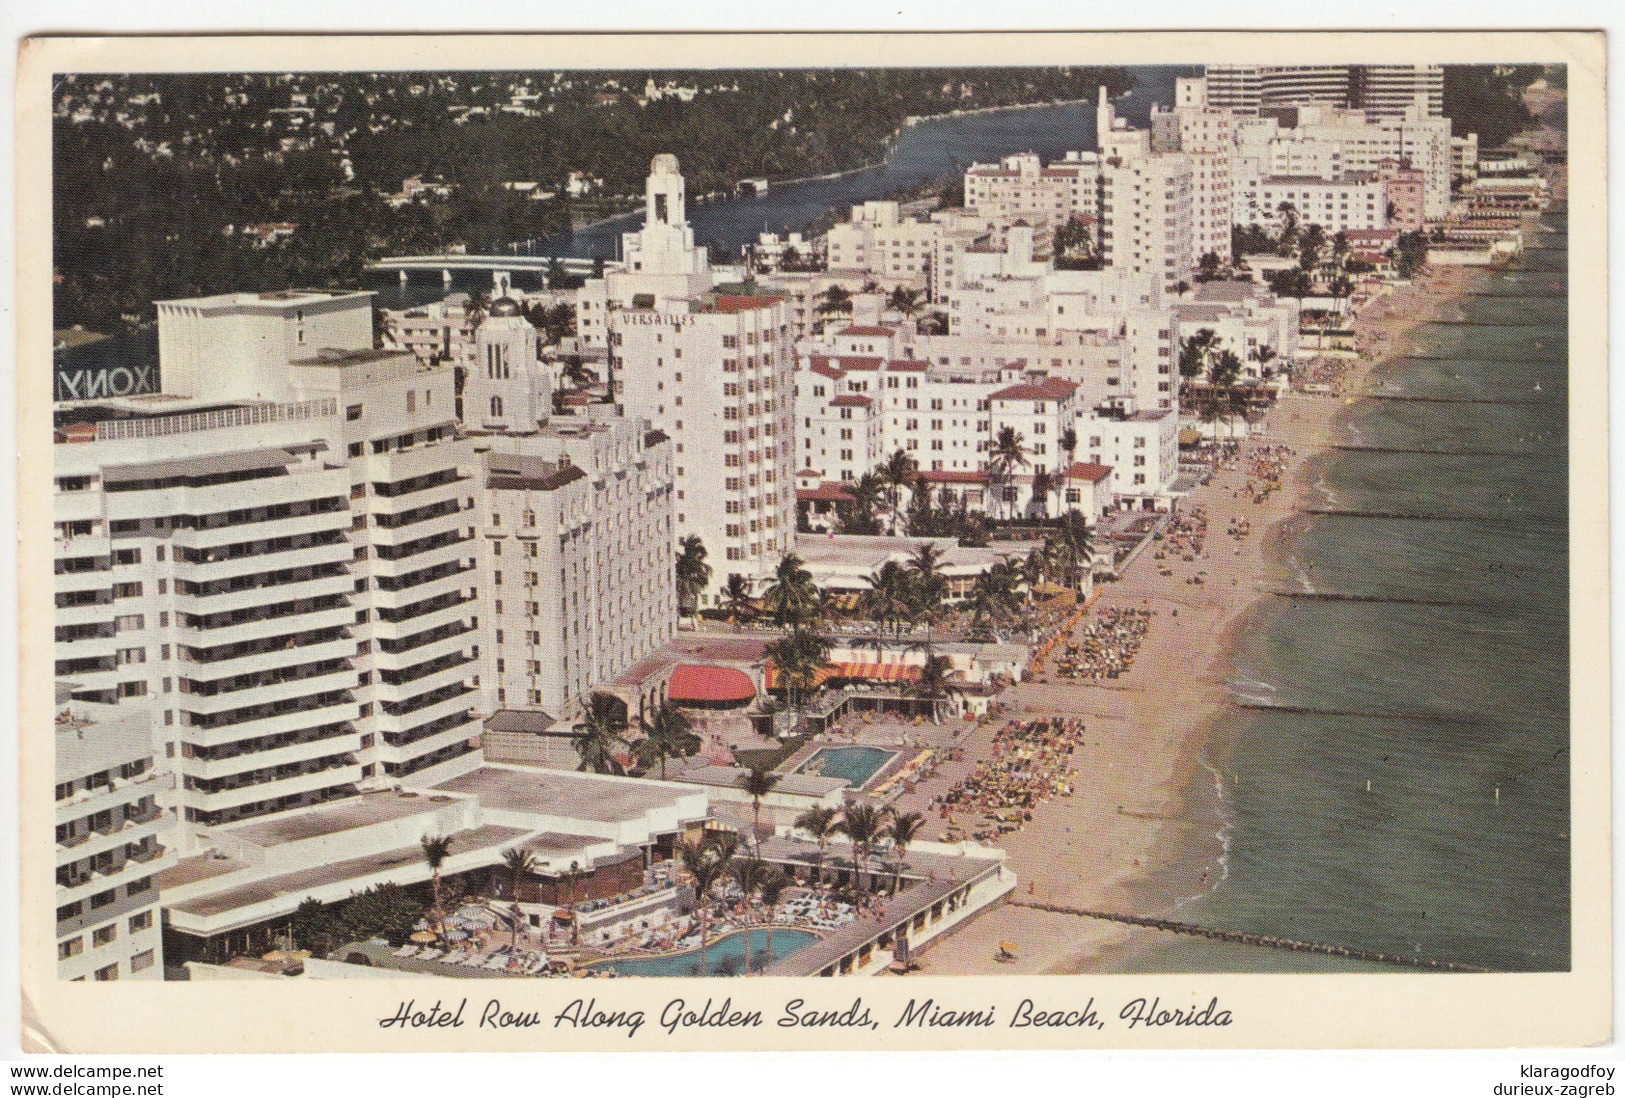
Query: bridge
x=501, y=267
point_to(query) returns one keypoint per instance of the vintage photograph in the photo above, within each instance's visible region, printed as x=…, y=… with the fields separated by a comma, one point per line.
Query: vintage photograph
x=774, y=520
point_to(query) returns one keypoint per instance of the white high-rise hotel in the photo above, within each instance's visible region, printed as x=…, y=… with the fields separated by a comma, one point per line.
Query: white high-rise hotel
x=281, y=563
x=713, y=370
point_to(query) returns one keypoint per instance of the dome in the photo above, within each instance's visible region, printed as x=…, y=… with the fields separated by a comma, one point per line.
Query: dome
x=663, y=164
x=503, y=306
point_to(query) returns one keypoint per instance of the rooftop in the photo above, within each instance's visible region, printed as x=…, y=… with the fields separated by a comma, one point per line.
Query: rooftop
x=1050, y=388
x=563, y=793
x=361, y=811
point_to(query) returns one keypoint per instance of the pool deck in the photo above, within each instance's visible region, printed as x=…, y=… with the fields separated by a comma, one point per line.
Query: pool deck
x=933, y=877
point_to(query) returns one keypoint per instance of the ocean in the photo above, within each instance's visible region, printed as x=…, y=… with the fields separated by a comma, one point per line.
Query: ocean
x=1417, y=800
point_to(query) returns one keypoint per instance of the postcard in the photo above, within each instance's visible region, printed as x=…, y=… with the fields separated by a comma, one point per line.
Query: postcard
x=813, y=541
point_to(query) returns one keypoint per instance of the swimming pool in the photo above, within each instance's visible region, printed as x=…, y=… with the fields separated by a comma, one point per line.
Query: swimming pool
x=723, y=957
x=856, y=764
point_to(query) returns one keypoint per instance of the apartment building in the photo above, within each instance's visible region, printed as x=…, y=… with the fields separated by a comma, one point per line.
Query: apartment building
x=1382, y=91
x=288, y=580
x=1147, y=203
x=111, y=841
x=1357, y=202
x=714, y=371
x=576, y=549
x=1021, y=188
x=1206, y=137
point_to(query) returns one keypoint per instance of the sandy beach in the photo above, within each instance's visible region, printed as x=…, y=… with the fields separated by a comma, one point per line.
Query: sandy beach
x=1126, y=840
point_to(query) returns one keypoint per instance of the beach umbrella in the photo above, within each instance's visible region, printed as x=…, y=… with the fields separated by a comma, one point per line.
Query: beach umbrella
x=456, y=935
x=423, y=936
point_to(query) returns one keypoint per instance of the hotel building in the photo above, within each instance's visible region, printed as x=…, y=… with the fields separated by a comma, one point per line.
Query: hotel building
x=714, y=372
x=111, y=841
x=576, y=554
x=1382, y=91
x=282, y=566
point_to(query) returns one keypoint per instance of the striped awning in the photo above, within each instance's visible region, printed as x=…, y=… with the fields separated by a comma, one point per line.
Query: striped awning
x=889, y=671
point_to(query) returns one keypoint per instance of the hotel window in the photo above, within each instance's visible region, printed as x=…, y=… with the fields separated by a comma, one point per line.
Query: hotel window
x=70, y=948
x=141, y=961
x=104, y=934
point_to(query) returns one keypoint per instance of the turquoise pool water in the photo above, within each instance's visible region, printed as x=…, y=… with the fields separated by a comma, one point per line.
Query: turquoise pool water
x=856, y=764
x=723, y=957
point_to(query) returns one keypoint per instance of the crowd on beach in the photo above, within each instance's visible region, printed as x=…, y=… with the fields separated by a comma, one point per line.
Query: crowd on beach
x=1030, y=762
x=1266, y=472
x=1106, y=648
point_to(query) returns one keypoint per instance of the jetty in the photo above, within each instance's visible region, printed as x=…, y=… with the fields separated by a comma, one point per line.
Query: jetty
x=1267, y=941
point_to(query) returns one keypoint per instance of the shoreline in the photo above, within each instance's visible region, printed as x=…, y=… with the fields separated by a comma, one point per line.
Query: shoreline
x=1147, y=822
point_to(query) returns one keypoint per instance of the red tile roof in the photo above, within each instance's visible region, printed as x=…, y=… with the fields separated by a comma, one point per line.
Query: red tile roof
x=851, y=400
x=691, y=683
x=1051, y=388
x=910, y=365
x=744, y=303
x=952, y=476
x=823, y=370
x=865, y=330
x=826, y=492
x=1088, y=470
x=846, y=362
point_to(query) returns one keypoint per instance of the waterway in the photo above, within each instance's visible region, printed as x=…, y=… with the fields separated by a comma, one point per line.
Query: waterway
x=932, y=149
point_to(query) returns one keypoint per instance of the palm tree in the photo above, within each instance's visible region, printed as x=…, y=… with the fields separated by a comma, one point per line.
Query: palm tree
x=897, y=472
x=736, y=596
x=1044, y=485
x=669, y=734
x=758, y=782
x=1009, y=453
x=799, y=657
x=747, y=874
x=928, y=588
x=789, y=598
x=1069, y=444
x=862, y=824
x=521, y=866
x=887, y=599
x=436, y=849
x=836, y=299
x=1069, y=544
x=692, y=573
x=705, y=862
x=598, y=735
x=905, y=301
x=905, y=828
x=820, y=824
x=866, y=492
x=770, y=886
x=934, y=683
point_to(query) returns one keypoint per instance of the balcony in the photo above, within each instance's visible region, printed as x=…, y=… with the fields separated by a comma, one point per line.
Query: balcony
x=338, y=551
x=88, y=802
x=299, y=621
x=297, y=719
x=403, y=722
x=274, y=693
x=347, y=773
x=341, y=584
x=215, y=537
x=420, y=647
x=271, y=659
x=447, y=549
x=346, y=742
x=454, y=732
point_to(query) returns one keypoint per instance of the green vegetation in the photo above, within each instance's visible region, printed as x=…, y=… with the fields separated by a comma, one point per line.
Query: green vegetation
x=388, y=911
x=1488, y=100
x=157, y=176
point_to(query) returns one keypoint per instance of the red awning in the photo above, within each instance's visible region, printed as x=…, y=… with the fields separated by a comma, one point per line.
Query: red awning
x=709, y=684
